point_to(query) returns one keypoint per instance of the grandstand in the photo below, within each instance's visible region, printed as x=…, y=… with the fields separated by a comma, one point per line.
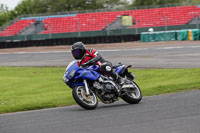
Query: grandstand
x=101, y=26
x=16, y=27
x=97, y=21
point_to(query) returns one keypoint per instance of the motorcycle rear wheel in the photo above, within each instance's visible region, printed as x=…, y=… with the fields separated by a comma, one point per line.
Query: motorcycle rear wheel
x=87, y=102
x=134, y=96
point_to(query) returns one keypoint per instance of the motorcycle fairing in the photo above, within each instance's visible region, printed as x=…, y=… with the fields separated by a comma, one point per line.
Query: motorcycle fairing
x=79, y=74
x=119, y=69
x=78, y=84
x=87, y=74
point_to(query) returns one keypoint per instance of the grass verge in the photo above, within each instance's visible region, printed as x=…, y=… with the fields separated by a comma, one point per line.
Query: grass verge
x=30, y=88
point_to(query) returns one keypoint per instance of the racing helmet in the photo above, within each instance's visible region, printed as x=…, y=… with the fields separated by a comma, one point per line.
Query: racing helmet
x=78, y=50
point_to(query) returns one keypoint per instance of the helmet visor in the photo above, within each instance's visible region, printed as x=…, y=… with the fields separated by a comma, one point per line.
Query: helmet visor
x=78, y=53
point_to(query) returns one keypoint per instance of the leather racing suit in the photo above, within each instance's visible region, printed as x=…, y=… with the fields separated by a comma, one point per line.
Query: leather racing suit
x=92, y=57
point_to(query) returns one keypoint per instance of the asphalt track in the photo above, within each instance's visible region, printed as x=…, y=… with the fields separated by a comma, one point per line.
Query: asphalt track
x=171, y=113
x=177, y=56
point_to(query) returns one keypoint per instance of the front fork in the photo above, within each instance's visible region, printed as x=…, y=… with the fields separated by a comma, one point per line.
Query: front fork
x=86, y=87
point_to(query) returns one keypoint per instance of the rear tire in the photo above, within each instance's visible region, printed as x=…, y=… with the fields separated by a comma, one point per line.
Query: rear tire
x=134, y=96
x=87, y=102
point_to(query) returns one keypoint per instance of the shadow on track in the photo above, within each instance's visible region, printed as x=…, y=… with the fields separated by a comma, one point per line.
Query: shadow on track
x=105, y=106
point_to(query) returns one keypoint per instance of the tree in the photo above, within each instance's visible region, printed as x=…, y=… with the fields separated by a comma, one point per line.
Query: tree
x=3, y=8
x=77, y=5
x=31, y=7
x=194, y=1
x=154, y=2
x=3, y=14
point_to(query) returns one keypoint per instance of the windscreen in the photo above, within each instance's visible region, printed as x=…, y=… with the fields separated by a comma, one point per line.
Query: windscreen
x=70, y=64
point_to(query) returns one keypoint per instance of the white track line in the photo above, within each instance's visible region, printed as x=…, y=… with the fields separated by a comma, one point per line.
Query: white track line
x=110, y=50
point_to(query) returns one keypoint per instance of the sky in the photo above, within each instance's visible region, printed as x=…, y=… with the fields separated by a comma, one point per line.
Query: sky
x=11, y=4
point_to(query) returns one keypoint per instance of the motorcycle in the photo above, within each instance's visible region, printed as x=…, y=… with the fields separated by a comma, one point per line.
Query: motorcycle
x=89, y=83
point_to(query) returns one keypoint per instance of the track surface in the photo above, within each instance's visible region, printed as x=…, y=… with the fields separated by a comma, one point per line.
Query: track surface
x=172, y=113
x=157, y=56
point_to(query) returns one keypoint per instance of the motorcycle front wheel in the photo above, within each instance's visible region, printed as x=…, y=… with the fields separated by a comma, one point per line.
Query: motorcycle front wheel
x=87, y=102
x=133, y=95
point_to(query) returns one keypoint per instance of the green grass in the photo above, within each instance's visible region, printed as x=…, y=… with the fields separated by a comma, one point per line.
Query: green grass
x=29, y=88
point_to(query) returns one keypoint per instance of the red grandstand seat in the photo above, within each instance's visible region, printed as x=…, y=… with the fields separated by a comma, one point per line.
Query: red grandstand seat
x=16, y=27
x=98, y=21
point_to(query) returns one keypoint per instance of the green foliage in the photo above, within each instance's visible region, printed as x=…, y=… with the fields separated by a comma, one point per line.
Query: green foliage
x=76, y=5
x=3, y=14
x=31, y=7
x=194, y=1
x=71, y=5
x=161, y=2
x=7, y=16
x=154, y=2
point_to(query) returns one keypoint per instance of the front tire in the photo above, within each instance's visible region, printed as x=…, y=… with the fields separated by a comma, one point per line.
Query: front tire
x=133, y=96
x=87, y=102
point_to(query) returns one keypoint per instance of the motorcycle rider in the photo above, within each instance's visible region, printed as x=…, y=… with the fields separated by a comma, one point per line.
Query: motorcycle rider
x=89, y=57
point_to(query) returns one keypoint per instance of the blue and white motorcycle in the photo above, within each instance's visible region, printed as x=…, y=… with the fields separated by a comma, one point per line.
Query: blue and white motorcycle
x=89, y=83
